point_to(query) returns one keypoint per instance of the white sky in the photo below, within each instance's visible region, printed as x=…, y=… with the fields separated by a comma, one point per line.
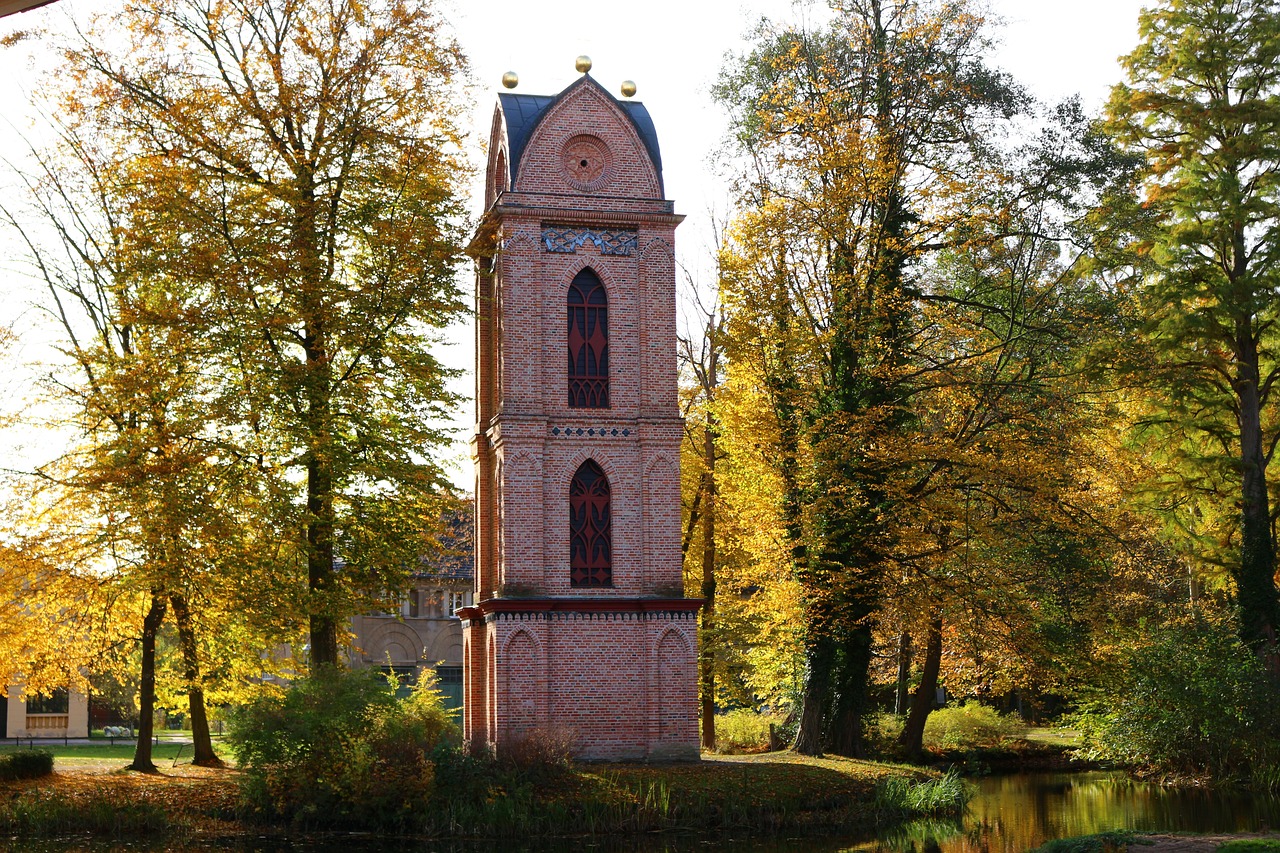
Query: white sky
x=672, y=49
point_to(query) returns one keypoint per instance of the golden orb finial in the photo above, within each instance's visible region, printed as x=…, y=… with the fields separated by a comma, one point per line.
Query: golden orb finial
x=510, y=80
x=582, y=63
x=628, y=88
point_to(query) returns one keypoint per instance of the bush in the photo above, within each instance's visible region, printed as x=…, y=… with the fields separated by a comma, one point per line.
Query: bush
x=26, y=764
x=970, y=725
x=540, y=754
x=883, y=730
x=745, y=731
x=338, y=748
x=1192, y=700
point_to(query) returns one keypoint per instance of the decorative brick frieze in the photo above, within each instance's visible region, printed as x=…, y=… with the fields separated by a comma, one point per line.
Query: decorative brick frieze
x=567, y=241
x=591, y=432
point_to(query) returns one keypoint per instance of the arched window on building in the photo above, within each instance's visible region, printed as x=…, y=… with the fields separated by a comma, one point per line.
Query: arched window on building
x=588, y=342
x=590, y=531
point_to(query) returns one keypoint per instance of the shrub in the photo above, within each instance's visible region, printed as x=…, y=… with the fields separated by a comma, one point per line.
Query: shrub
x=883, y=729
x=26, y=764
x=745, y=731
x=338, y=748
x=970, y=725
x=1191, y=700
x=540, y=753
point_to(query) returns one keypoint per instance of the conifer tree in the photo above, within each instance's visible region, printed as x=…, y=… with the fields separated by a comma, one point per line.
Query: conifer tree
x=1202, y=103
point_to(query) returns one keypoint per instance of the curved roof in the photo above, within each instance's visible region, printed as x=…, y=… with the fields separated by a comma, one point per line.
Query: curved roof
x=12, y=7
x=523, y=112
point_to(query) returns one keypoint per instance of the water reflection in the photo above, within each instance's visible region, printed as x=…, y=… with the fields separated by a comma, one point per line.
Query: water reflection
x=1013, y=814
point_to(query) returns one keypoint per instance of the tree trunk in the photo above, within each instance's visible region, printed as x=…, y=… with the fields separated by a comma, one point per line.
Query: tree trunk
x=819, y=658
x=851, y=702
x=912, y=737
x=319, y=389
x=708, y=656
x=202, y=741
x=1255, y=579
x=904, y=673
x=147, y=684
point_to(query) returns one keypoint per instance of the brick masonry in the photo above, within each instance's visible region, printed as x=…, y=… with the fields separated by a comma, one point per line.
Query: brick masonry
x=614, y=667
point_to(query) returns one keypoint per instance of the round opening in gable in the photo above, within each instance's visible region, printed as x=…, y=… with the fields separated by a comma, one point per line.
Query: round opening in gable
x=586, y=162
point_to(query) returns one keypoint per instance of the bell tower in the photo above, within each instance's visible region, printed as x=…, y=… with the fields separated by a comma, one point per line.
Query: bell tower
x=580, y=626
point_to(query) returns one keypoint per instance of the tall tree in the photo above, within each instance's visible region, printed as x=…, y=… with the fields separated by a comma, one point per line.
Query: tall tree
x=701, y=356
x=1203, y=105
x=864, y=137
x=301, y=170
x=144, y=463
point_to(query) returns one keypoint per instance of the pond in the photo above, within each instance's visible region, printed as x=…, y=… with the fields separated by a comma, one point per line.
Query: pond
x=1009, y=814
x=1020, y=812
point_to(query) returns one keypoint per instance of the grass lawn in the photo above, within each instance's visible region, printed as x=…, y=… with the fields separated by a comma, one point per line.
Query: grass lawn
x=1054, y=737
x=104, y=756
x=89, y=793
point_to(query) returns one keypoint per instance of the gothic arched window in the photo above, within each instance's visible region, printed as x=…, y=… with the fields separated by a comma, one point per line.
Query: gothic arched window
x=590, y=531
x=588, y=342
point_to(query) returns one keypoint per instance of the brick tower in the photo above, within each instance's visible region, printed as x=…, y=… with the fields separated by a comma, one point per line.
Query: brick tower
x=580, y=626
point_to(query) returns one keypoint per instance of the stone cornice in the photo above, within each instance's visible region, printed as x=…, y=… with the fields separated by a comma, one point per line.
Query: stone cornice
x=646, y=212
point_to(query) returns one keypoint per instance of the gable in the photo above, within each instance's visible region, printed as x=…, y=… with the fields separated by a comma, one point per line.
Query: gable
x=581, y=141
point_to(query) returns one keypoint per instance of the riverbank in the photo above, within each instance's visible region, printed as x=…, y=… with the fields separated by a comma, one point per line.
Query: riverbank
x=771, y=793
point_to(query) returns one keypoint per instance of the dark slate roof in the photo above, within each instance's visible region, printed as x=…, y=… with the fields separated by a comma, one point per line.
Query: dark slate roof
x=12, y=7
x=523, y=112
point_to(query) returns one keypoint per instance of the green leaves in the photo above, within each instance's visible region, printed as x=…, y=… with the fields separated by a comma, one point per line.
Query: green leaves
x=1203, y=107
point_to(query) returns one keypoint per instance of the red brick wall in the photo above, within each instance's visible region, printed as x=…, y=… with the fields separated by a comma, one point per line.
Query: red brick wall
x=622, y=679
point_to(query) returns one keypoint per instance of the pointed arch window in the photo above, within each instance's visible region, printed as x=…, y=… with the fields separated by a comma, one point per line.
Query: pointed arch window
x=590, y=528
x=588, y=342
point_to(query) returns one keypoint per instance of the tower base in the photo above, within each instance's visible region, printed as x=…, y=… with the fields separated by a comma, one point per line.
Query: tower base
x=607, y=675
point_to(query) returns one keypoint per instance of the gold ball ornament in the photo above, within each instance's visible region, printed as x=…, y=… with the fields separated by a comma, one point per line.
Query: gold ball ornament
x=628, y=88
x=510, y=80
x=583, y=64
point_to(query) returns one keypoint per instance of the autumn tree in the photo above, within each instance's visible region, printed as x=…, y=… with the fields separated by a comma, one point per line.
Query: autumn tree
x=906, y=294
x=1201, y=103
x=299, y=166
x=862, y=136
x=701, y=359
x=159, y=493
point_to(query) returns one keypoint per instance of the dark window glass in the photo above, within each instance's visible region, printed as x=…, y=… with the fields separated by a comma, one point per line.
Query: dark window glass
x=588, y=342
x=55, y=703
x=449, y=674
x=590, y=533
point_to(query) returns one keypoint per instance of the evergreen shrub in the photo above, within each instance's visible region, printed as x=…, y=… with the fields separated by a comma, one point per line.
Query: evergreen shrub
x=26, y=764
x=338, y=748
